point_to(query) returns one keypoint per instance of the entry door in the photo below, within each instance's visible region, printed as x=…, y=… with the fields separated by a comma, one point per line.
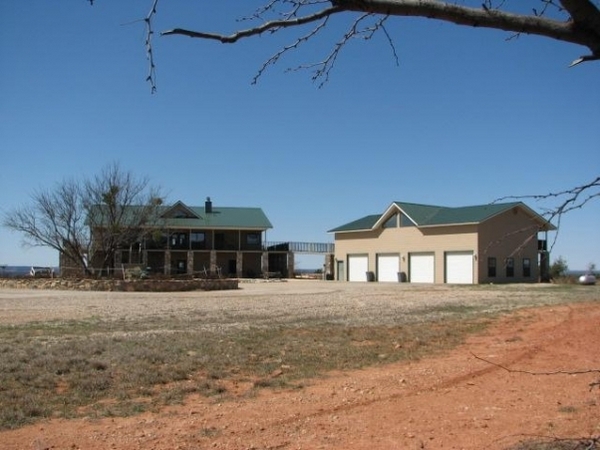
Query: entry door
x=341, y=272
x=232, y=266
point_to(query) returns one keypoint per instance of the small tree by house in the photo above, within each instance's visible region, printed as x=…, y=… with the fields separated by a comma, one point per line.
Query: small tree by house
x=559, y=268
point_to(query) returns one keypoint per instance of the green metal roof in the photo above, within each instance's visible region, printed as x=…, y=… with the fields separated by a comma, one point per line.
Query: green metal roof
x=364, y=223
x=180, y=215
x=429, y=215
x=425, y=215
x=222, y=217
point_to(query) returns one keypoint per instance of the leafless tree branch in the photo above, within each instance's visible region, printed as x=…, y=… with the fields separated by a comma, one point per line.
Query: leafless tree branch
x=569, y=200
x=299, y=41
x=581, y=27
x=573, y=21
x=324, y=67
x=151, y=78
x=267, y=26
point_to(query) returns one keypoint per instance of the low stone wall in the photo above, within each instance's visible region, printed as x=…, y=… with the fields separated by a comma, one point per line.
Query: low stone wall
x=90, y=284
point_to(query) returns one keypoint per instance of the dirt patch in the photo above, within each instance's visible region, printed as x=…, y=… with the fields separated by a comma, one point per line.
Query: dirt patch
x=455, y=401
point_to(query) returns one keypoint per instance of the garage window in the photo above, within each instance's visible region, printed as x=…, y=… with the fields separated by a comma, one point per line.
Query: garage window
x=510, y=267
x=392, y=222
x=405, y=221
x=491, y=267
x=526, y=267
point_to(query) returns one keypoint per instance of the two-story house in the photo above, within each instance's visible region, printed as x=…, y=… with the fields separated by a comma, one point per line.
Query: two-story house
x=200, y=240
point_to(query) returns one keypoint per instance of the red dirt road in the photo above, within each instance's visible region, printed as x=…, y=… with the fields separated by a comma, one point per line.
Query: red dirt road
x=455, y=401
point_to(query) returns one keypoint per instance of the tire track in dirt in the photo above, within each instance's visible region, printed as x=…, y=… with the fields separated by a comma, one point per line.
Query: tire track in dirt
x=495, y=366
x=531, y=349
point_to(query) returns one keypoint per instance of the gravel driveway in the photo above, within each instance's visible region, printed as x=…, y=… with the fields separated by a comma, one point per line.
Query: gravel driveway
x=292, y=301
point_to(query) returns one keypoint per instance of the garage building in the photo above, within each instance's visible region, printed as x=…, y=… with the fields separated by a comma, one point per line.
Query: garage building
x=408, y=242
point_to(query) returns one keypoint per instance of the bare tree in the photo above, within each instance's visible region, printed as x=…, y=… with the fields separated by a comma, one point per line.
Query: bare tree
x=120, y=208
x=55, y=219
x=87, y=221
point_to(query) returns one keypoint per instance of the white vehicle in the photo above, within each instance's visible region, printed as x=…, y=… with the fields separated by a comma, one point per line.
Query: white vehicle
x=43, y=272
x=587, y=279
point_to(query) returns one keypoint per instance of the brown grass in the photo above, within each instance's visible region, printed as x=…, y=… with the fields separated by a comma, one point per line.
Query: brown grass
x=69, y=369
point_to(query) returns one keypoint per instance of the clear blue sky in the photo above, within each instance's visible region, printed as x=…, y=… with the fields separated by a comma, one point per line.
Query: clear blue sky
x=467, y=117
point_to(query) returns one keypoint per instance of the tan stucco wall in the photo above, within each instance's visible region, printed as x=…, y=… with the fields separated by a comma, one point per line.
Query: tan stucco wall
x=511, y=234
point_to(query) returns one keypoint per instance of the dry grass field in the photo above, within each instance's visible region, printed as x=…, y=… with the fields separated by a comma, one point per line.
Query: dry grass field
x=74, y=358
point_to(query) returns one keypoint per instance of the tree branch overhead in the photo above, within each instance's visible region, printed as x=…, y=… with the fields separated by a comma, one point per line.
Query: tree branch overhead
x=579, y=24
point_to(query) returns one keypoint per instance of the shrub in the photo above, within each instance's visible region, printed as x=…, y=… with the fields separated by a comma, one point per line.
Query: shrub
x=559, y=268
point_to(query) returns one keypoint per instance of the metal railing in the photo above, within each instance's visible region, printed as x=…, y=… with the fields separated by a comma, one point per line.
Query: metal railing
x=301, y=247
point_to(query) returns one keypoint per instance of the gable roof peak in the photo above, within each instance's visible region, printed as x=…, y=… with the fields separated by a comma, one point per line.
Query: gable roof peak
x=179, y=209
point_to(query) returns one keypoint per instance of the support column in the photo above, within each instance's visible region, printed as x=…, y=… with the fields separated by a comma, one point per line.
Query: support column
x=264, y=263
x=213, y=261
x=118, y=263
x=190, y=263
x=544, y=267
x=239, y=264
x=329, y=269
x=290, y=267
x=167, y=268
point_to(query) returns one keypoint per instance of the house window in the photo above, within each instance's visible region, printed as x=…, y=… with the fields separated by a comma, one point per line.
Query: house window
x=405, y=221
x=526, y=267
x=491, y=267
x=179, y=240
x=510, y=267
x=392, y=222
x=197, y=239
x=180, y=215
x=253, y=238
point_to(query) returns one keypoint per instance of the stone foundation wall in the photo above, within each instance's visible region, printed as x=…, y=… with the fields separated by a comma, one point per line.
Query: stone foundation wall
x=87, y=284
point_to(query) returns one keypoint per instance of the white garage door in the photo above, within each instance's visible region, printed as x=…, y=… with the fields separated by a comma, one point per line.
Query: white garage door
x=388, y=267
x=421, y=268
x=357, y=268
x=459, y=267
